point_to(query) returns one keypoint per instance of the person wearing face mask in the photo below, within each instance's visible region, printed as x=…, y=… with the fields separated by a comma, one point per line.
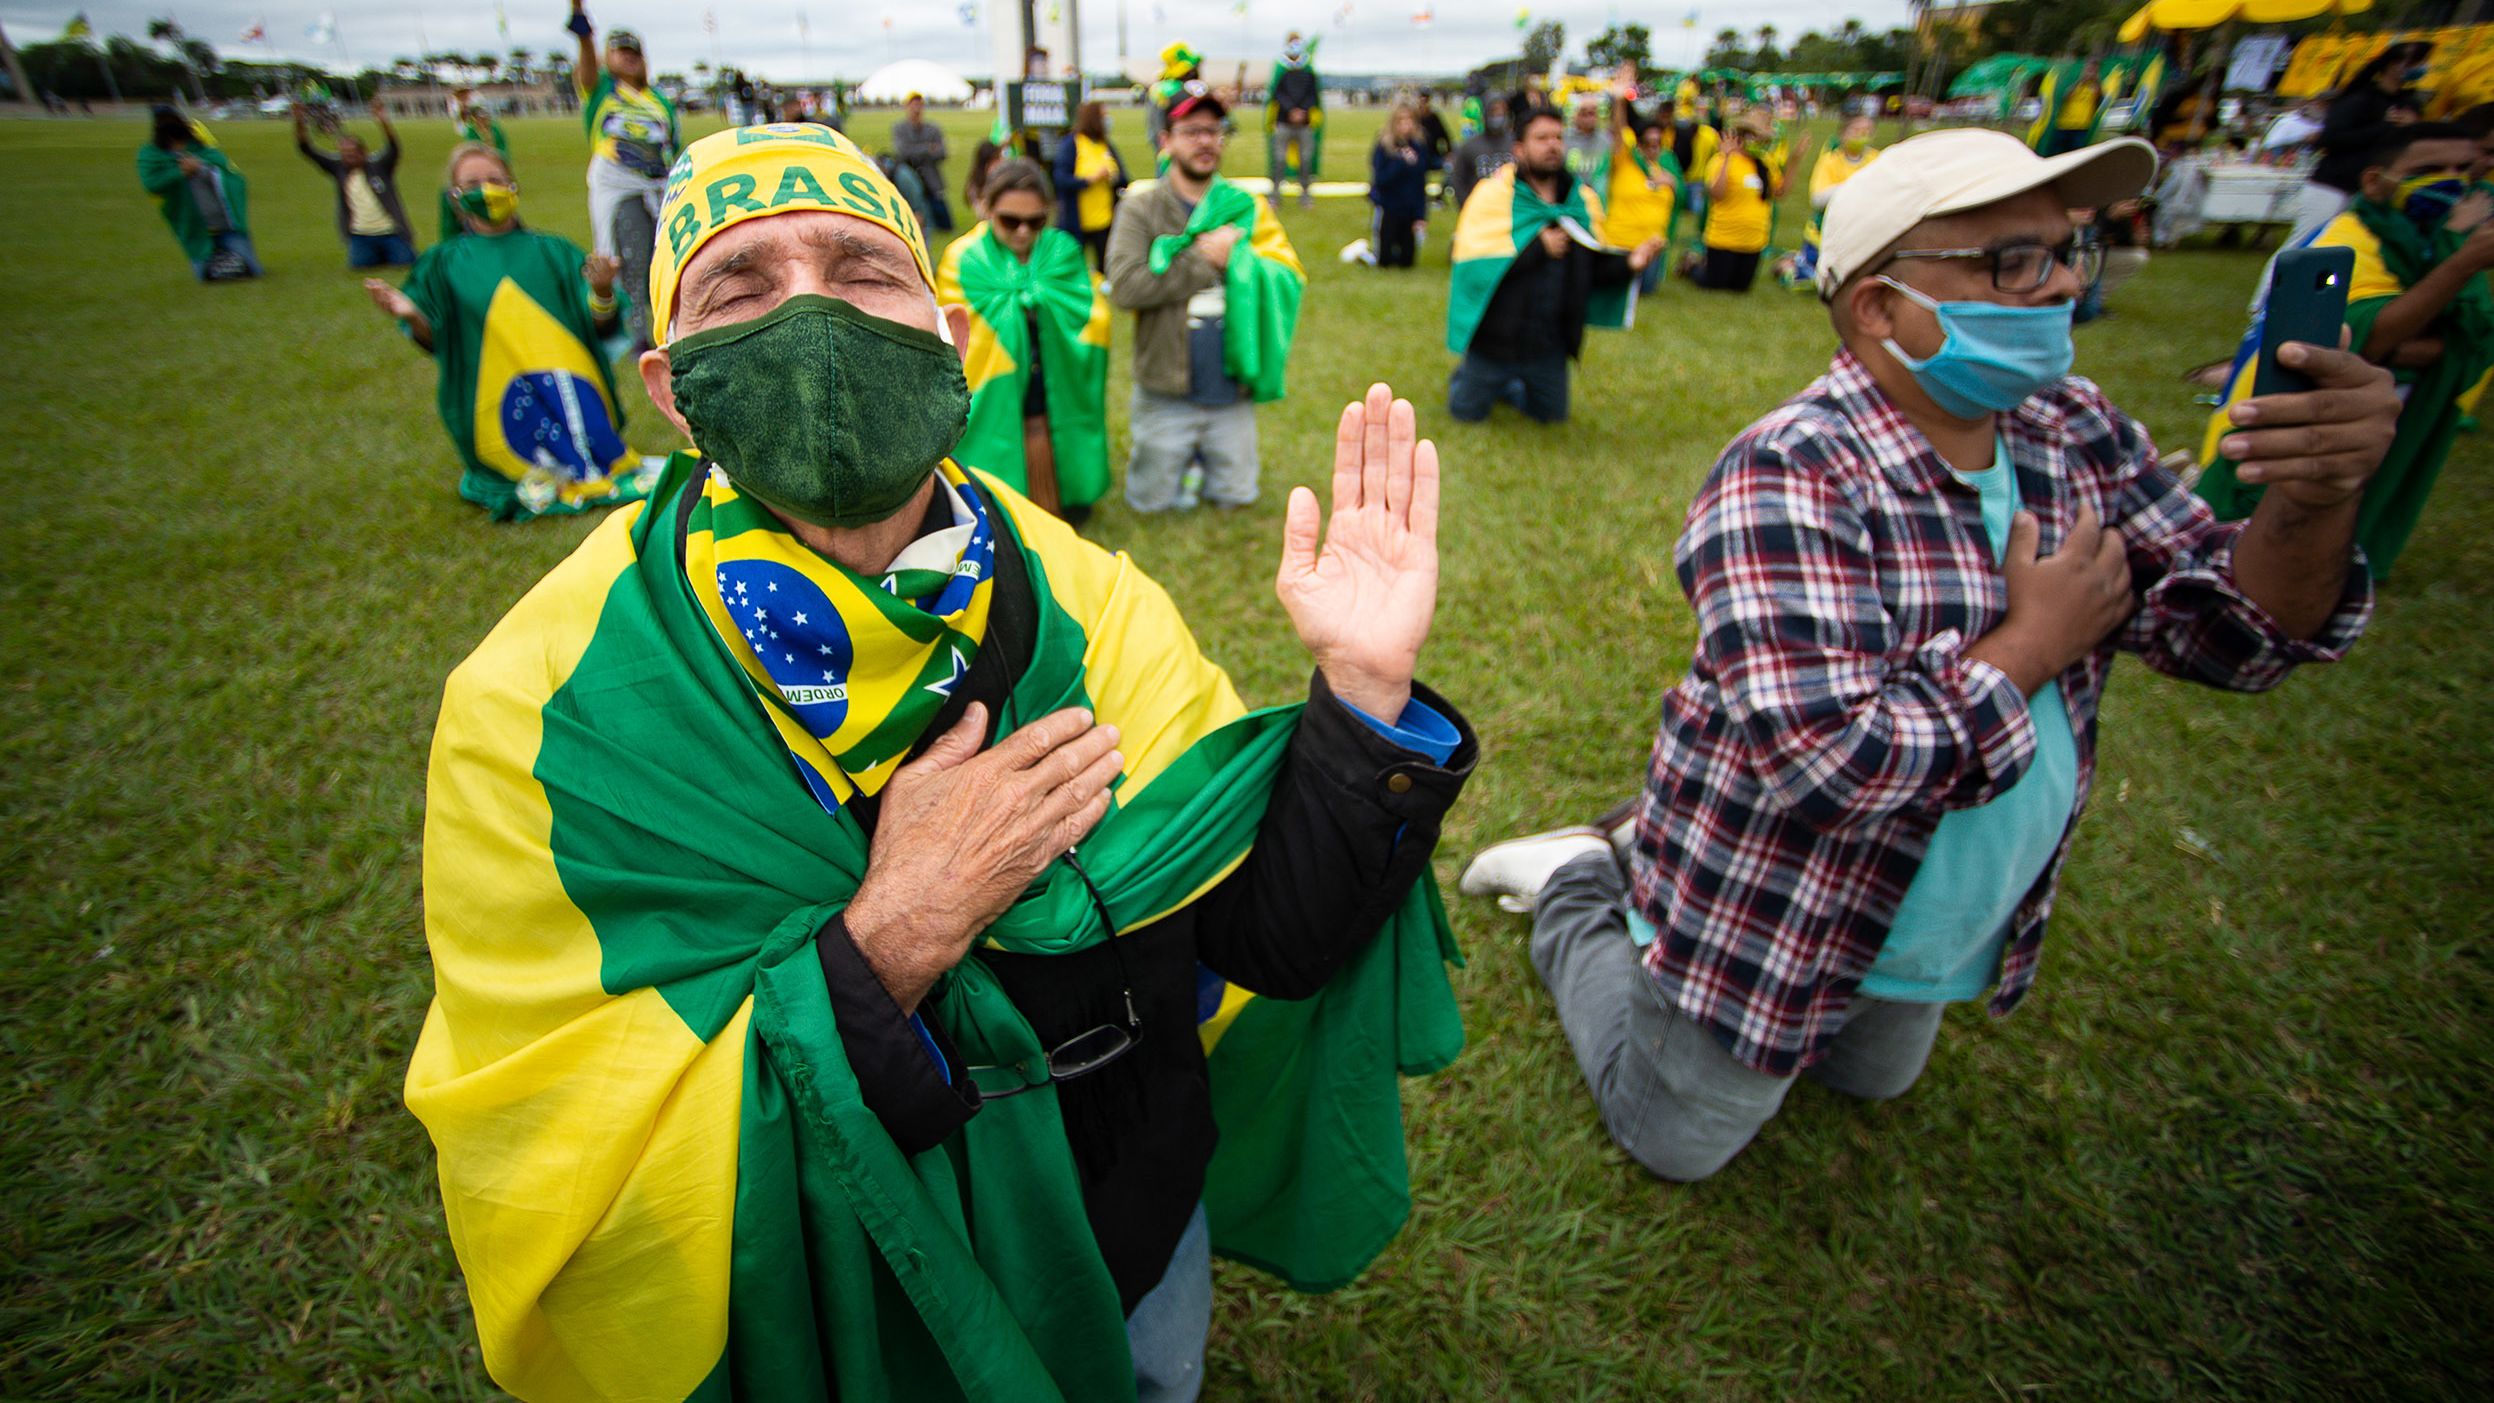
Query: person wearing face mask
x=858, y=910
x=524, y=328
x=633, y=138
x=1910, y=582
x=1037, y=350
x=2419, y=303
x=1742, y=184
x=1482, y=153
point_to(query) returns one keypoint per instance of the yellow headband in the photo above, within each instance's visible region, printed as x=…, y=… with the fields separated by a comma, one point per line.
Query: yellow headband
x=746, y=173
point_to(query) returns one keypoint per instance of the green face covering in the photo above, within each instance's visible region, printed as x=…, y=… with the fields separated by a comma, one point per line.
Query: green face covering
x=490, y=203
x=827, y=413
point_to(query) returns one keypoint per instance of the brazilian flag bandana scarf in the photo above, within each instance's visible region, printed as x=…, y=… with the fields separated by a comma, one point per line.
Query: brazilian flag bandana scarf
x=850, y=668
x=1262, y=284
x=1500, y=217
x=657, y=1168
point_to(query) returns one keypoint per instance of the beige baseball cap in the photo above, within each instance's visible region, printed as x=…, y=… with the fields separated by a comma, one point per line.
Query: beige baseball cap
x=1945, y=172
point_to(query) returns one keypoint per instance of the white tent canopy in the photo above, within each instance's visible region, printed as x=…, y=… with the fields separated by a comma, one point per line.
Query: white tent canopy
x=894, y=82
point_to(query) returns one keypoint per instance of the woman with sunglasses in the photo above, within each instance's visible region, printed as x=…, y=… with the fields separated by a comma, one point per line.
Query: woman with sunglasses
x=1037, y=358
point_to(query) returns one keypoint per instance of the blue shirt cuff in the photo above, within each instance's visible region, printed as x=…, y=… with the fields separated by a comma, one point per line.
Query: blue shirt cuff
x=1420, y=728
x=918, y=1025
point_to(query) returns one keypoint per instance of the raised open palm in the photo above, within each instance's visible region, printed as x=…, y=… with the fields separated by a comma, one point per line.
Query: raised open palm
x=1363, y=602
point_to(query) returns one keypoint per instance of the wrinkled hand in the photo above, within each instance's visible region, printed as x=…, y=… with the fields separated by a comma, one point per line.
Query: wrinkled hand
x=600, y=270
x=389, y=299
x=2061, y=605
x=2317, y=448
x=1214, y=245
x=962, y=834
x=1362, y=606
x=1644, y=254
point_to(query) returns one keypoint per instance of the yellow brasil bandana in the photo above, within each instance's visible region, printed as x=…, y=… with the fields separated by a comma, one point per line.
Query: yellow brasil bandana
x=746, y=173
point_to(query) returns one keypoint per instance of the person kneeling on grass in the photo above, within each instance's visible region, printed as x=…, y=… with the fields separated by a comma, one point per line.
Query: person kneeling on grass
x=1910, y=582
x=784, y=1043
x=515, y=319
x=1742, y=183
x=1533, y=267
x=1036, y=350
x=371, y=218
x=204, y=200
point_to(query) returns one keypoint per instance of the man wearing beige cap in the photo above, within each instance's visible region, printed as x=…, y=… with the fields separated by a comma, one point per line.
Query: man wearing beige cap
x=1910, y=581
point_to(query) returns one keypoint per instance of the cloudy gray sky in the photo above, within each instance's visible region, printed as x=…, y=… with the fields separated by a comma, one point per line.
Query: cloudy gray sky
x=849, y=38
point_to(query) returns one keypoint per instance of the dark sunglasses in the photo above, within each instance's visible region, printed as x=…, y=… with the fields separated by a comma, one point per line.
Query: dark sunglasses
x=1085, y=1052
x=1015, y=223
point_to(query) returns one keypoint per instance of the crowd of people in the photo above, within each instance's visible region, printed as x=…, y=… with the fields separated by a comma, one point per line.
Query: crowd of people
x=876, y=951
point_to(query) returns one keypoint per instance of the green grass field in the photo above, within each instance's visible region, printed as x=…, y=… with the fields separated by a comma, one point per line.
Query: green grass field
x=2235, y=1146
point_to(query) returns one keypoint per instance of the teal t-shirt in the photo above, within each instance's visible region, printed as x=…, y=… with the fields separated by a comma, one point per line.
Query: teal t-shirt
x=1946, y=941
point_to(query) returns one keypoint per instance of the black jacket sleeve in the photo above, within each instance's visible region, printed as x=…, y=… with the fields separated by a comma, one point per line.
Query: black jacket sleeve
x=1353, y=820
x=902, y=1085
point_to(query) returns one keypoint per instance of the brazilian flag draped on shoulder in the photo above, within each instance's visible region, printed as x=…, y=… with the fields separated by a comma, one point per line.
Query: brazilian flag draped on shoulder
x=1263, y=283
x=1285, y=166
x=656, y=1165
x=1499, y=218
x=526, y=391
x=2392, y=254
x=1005, y=296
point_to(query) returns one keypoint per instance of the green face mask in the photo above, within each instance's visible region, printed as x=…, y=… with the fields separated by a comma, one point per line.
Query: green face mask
x=491, y=202
x=824, y=412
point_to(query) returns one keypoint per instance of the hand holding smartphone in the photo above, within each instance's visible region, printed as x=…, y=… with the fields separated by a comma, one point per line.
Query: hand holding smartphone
x=2307, y=302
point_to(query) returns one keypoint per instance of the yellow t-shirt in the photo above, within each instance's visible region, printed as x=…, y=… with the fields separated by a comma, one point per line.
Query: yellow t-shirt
x=2078, y=109
x=1834, y=168
x=1097, y=203
x=1736, y=220
x=364, y=214
x=1640, y=202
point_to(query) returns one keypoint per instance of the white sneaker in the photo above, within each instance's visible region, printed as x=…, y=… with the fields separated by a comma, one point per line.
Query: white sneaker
x=1515, y=871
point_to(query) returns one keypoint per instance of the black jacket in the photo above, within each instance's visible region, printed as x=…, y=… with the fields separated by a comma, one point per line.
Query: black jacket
x=1540, y=306
x=380, y=169
x=1295, y=88
x=1352, y=823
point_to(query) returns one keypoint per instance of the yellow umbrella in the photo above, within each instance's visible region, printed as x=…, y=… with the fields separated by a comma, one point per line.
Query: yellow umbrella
x=2208, y=14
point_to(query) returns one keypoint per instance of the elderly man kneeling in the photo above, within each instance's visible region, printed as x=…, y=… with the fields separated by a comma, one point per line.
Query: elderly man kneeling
x=785, y=1043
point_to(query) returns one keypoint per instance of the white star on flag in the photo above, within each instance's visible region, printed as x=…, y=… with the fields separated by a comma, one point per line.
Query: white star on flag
x=801, y=616
x=945, y=687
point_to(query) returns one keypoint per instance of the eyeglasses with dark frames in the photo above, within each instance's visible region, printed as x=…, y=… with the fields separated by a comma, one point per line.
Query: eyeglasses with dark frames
x=1085, y=1052
x=2024, y=267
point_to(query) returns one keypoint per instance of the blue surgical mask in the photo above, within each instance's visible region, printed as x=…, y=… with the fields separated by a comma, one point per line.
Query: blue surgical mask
x=1992, y=356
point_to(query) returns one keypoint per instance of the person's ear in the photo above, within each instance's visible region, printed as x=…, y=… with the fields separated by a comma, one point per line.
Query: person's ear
x=2379, y=185
x=658, y=377
x=957, y=321
x=1866, y=308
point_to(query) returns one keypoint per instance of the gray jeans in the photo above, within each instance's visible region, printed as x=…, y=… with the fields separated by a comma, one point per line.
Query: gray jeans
x=1670, y=1094
x=1295, y=141
x=1171, y=432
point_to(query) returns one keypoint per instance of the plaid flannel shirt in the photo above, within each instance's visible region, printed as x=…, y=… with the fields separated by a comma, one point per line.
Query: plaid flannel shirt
x=1830, y=716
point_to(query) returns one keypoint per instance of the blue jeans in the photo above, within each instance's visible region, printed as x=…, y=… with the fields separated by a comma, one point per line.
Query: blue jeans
x=1166, y=1331
x=1537, y=386
x=234, y=243
x=1652, y=277
x=379, y=250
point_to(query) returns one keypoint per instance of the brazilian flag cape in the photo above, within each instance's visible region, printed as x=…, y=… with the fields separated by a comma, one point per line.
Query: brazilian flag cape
x=1499, y=218
x=2391, y=255
x=1002, y=292
x=1263, y=283
x=526, y=390
x=160, y=173
x=656, y=1167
